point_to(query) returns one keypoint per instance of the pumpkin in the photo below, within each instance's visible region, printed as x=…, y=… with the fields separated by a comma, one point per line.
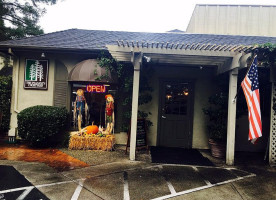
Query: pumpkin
x=92, y=129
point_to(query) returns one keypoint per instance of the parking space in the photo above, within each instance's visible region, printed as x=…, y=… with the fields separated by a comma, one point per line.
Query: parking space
x=128, y=182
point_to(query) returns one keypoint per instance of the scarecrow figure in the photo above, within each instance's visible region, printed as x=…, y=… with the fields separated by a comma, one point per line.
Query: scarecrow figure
x=109, y=113
x=80, y=107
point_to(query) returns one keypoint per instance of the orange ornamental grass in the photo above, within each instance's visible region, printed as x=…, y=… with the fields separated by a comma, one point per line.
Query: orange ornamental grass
x=51, y=157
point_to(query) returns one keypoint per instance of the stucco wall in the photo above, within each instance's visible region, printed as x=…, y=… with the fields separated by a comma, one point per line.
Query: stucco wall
x=200, y=77
x=203, y=87
x=24, y=98
x=28, y=97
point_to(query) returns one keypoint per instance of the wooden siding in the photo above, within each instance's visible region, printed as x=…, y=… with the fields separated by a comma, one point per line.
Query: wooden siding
x=251, y=20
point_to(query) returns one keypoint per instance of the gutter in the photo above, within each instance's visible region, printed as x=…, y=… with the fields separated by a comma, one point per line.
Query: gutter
x=44, y=48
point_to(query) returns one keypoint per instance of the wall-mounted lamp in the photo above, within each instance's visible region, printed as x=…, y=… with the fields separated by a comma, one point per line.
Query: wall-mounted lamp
x=148, y=59
x=200, y=67
x=168, y=96
x=186, y=92
x=42, y=55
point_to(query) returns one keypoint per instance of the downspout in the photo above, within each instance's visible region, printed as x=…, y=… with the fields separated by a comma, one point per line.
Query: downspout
x=12, y=131
x=16, y=81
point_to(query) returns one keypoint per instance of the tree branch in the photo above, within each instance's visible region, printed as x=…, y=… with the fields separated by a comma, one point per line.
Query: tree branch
x=15, y=5
x=16, y=18
x=23, y=8
x=12, y=21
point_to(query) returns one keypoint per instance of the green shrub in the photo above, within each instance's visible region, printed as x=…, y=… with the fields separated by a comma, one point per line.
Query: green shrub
x=217, y=113
x=5, y=101
x=42, y=125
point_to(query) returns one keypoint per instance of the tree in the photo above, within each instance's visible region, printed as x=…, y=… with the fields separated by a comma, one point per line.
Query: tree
x=19, y=18
x=267, y=57
x=266, y=54
x=5, y=102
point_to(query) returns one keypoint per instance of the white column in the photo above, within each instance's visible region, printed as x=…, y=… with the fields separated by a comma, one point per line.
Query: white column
x=136, y=60
x=231, y=122
x=14, y=99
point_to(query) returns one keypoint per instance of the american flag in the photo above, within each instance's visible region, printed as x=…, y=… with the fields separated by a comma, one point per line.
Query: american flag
x=250, y=86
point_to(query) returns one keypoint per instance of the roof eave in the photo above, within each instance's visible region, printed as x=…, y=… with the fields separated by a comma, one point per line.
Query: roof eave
x=50, y=49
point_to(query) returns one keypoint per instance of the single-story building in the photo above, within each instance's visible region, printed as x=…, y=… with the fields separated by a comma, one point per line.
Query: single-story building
x=182, y=62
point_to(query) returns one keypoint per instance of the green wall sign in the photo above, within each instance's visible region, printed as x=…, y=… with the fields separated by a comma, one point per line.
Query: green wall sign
x=36, y=74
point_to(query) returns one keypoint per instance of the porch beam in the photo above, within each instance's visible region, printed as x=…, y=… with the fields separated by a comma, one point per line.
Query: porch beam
x=176, y=59
x=238, y=61
x=231, y=122
x=232, y=65
x=169, y=51
x=137, y=61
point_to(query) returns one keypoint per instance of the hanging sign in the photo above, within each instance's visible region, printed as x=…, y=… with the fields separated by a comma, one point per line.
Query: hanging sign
x=96, y=88
x=36, y=74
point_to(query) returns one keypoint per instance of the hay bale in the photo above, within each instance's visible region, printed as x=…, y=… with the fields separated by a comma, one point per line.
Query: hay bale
x=92, y=142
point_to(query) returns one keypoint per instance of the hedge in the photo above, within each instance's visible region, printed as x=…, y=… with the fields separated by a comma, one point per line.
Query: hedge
x=42, y=125
x=5, y=101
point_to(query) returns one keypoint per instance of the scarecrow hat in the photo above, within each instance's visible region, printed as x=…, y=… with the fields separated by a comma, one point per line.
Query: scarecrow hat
x=108, y=95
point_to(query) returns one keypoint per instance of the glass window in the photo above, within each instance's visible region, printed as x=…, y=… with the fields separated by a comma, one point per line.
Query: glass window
x=95, y=98
x=176, y=98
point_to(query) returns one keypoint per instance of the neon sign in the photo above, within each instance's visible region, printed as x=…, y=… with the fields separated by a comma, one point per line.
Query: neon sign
x=96, y=88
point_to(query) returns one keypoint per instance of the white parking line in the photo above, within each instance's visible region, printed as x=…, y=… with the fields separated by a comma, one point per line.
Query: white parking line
x=126, y=184
x=202, y=187
x=170, y=186
x=25, y=193
x=231, y=168
x=126, y=190
x=206, y=181
x=14, y=189
x=78, y=190
x=37, y=186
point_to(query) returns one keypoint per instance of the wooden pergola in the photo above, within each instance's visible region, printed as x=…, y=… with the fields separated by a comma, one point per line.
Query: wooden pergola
x=227, y=58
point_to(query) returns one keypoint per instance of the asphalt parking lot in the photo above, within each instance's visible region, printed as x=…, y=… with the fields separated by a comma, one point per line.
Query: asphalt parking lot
x=11, y=180
x=136, y=180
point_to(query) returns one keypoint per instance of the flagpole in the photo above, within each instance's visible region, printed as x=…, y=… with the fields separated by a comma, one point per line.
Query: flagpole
x=248, y=68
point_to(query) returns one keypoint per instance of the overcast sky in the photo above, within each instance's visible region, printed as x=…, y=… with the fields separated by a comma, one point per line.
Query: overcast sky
x=127, y=15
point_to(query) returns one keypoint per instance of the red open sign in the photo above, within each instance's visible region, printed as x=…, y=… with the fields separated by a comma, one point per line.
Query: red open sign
x=96, y=88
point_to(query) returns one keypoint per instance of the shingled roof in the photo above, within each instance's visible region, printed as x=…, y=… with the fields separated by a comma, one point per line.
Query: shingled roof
x=78, y=39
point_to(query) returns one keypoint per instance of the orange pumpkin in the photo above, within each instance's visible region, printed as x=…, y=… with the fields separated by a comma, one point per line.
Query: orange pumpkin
x=92, y=129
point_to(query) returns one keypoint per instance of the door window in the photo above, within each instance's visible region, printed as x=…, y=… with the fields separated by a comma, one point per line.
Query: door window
x=176, y=98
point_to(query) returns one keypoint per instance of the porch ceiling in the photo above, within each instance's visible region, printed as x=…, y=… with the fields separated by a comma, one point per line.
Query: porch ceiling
x=184, y=54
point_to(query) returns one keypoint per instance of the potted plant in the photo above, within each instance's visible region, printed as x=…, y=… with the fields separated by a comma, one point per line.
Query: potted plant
x=217, y=113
